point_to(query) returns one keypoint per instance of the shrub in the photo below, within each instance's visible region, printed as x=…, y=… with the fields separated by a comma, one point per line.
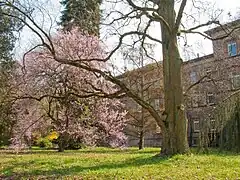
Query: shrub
x=44, y=143
x=73, y=144
x=52, y=136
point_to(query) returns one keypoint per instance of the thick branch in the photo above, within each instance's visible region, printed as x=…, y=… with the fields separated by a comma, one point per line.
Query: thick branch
x=180, y=13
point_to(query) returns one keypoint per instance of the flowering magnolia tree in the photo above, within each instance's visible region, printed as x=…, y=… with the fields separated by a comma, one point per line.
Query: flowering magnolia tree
x=29, y=119
x=71, y=99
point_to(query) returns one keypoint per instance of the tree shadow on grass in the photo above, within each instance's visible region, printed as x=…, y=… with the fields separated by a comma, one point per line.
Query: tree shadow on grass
x=81, y=151
x=77, y=169
x=68, y=169
x=114, y=151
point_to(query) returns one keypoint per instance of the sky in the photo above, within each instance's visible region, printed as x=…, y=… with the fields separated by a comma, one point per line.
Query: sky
x=203, y=46
x=198, y=46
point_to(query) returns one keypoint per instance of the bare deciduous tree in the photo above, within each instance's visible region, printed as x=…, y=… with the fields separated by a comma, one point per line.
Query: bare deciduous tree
x=168, y=14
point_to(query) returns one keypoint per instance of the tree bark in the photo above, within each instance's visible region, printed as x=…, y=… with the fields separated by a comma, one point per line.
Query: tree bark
x=61, y=143
x=175, y=131
x=60, y=147
x=141, y=140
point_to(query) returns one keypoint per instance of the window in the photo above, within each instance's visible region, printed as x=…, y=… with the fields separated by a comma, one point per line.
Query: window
x=138, y=107
x=157, y=103
x=195, y=101
x=158, y=129
x=208, y=73
x=232, y=49
x=134, y=86
x=146, y=95
x=157, y=83
x=161, y=102
x=196, y=125
x=212, y=124
x=195, y=142
x=188, y=101
x=235, y=81
x=210, y=98
x=193, y=77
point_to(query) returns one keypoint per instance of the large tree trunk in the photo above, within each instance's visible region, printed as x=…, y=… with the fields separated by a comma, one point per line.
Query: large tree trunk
x=61, y=147
x=62, y=139
x=175, y=131
x=141, y=140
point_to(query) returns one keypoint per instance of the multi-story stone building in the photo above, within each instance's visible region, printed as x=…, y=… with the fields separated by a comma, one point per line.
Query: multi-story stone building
x=206, y=82
x=147, y=82
x=216, y=76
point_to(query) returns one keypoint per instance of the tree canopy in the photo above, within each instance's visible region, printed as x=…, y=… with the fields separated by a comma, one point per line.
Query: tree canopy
x=8, y=28
x=84, y=14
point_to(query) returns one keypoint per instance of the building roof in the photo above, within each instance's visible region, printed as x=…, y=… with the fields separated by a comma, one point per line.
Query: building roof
x=198, y=59
x=231, y=24
x=151, y=66
x=145, y=68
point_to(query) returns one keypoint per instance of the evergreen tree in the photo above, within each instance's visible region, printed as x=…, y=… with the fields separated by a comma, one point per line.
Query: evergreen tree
x=7, y=41
x=6, y=37
x=84, y=14
x=7, y=119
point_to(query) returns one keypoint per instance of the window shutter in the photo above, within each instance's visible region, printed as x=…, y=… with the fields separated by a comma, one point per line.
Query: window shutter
x=234, y=49
x=230, y=49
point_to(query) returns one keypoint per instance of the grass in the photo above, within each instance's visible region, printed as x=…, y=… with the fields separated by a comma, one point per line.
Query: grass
x=102, y=163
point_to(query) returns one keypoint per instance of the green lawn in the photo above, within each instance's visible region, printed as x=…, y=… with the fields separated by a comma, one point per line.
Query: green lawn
x=103, y=163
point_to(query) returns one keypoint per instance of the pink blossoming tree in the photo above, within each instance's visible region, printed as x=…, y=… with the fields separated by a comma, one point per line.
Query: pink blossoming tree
x=72, y=101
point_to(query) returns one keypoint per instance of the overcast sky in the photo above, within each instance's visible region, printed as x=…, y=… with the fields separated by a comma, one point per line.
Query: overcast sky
x=198, y=45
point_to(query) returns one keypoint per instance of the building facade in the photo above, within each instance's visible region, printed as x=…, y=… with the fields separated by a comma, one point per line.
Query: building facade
x=206, y=82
